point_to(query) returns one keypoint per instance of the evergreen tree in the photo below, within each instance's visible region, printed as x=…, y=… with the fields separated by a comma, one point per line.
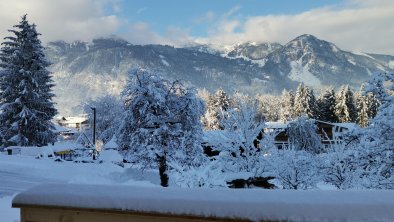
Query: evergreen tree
x=270, y=107
x=345, y=109
x=26, y=89
x=161, y=125
x=305, y=102
x=362, y=112
x=362, y=107
x=287, y=106
x=327, y=106
x=377, y=142
x=217, y=106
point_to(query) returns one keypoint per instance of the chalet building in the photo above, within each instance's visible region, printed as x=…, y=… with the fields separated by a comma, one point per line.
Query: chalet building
x=76, y=122
x=64, y=133
x=330, y=133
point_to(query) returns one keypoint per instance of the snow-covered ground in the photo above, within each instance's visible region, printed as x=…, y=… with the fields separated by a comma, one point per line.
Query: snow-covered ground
x=249, y=204
x=19, y=173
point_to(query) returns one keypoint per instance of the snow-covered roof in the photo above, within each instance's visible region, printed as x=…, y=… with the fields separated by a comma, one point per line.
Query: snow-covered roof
x=249, y=204
x=218, y=138
x=60, y=129
x=64, y=145
x=276, y=125
x=75, y=119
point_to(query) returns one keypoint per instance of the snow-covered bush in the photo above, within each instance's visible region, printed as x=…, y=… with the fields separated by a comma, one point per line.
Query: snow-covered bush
x=207, y=175
x=375, y=144
x=111, y=156
x=294, y=169
x=303, y=135
x=340, y=168
x=244, y=123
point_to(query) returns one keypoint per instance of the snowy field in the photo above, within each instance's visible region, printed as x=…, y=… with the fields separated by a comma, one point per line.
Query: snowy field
x=19, y=173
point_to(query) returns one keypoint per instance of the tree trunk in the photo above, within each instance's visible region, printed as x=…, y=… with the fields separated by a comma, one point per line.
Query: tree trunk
x=163, y=170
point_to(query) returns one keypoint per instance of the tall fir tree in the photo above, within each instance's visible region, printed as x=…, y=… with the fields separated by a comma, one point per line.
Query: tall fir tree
x=327, y=106
x=305, y=102
x=362, y=112
x=361, y=102
x=345, y=108
x=286, y=106
x=26, y=89
x=217, y=106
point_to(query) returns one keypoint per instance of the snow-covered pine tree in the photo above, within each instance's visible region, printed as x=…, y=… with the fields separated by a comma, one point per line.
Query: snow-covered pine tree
x=161, y=125
x=362, y=112
x=305, y=102
x=218, y=104
x=327, y=106
x=286, y=112
x=269, y=107
x=345, y=109
x=362, y=108
x=26, y=89
x=377, y=145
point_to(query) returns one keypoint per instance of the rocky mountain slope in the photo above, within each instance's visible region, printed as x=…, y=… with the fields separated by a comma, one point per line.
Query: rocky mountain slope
x=87, y=70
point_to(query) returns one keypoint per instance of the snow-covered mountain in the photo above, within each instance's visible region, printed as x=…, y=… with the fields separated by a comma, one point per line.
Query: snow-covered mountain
x=87, y=70
x=253, y=51
x=317, y=62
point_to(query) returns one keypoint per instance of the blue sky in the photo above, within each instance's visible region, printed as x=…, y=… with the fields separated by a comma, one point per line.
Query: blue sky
x=197, y=15
x=354, y=25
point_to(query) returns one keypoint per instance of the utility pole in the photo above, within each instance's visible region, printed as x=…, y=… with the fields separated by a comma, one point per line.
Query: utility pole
x=94, y=132
x=94, y=126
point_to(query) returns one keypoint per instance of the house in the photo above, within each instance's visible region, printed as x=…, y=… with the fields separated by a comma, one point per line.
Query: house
x=64, y=132
x=77, y=122
x=330, y=133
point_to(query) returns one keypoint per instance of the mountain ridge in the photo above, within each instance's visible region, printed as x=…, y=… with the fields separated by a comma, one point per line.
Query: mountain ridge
x=87, y=70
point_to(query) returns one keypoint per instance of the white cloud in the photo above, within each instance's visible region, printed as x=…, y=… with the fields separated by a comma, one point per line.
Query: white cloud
x=358, y=25
x=66, y=20
x=141, y=33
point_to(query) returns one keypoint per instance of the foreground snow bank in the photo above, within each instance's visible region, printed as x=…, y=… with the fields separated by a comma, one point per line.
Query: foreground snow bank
x=6, y=213
x=252, y=204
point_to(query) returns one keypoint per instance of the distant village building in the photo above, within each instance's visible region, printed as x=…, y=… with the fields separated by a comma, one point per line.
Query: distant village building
x=77, y=122
x=330, y=133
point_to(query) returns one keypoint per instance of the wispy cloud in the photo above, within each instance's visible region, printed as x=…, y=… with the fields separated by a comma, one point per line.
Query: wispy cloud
x=232, y=11
x=359, y=25
x=62, y=20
